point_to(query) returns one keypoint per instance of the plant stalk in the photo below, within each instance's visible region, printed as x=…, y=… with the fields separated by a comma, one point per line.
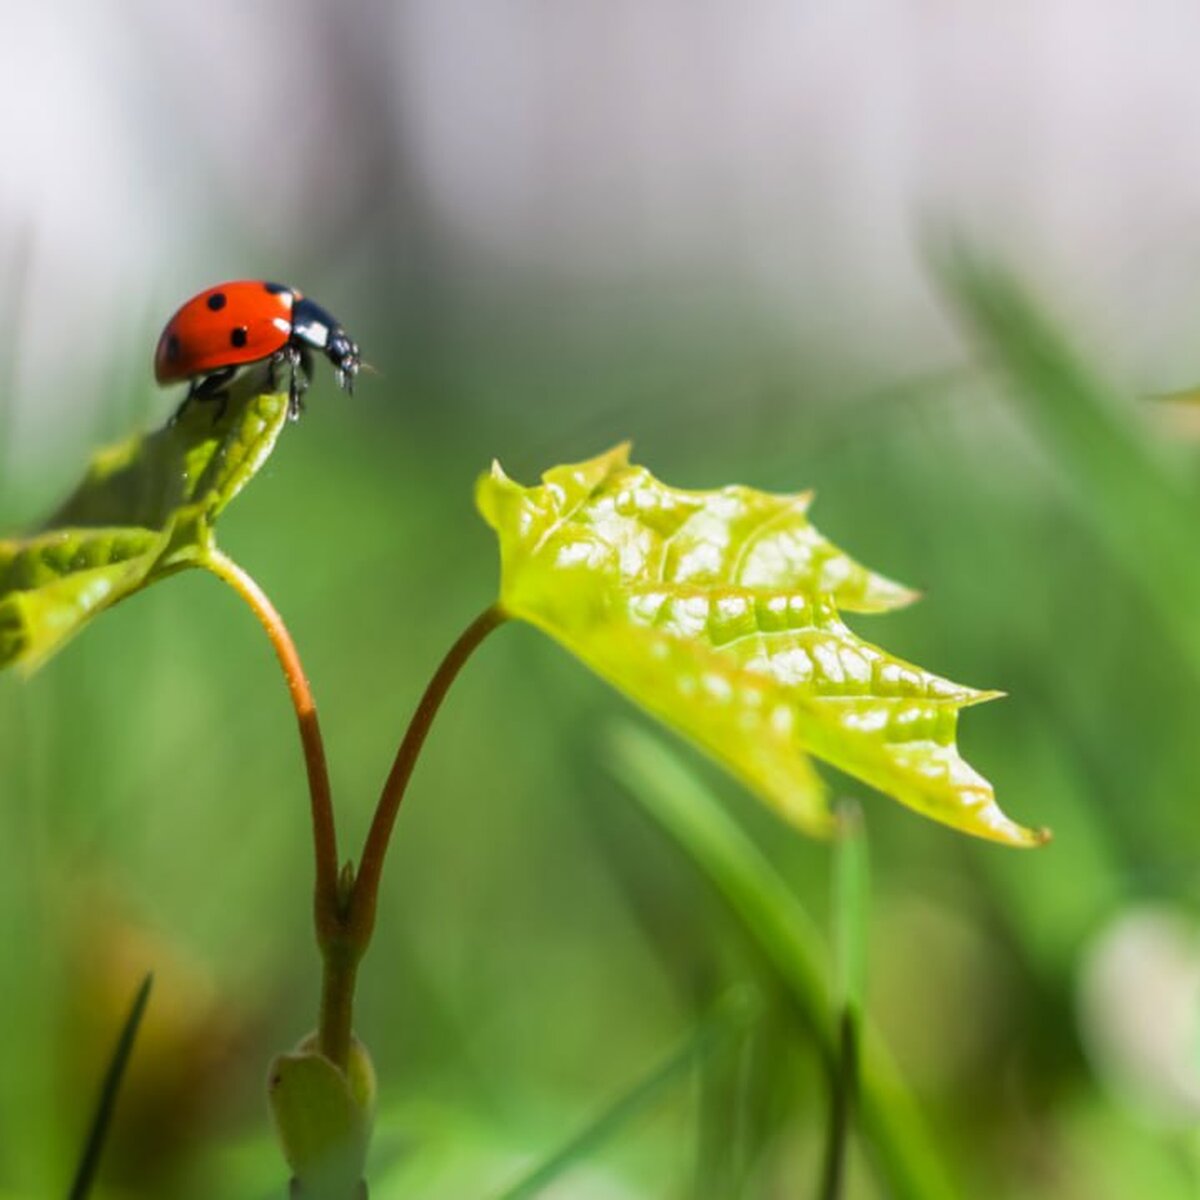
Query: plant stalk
x=357, y=897
x=344, y=905
x=325, y=897
x=335, y=1029
x=360, y=920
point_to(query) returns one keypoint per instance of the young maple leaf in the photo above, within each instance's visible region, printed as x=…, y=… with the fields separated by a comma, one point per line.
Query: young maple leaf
x=718, y=612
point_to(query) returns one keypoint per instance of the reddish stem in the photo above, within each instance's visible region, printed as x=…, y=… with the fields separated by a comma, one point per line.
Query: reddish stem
x=326, y=903
x=361, y=917
x=345, y=908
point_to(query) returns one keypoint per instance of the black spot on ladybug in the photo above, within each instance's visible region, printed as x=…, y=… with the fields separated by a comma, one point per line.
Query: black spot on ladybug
x=173, y=346
x=216, y=301
x=275, y=288
x=238, y=337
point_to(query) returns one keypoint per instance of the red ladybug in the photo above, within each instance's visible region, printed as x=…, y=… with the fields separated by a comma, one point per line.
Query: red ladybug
x=221, y=330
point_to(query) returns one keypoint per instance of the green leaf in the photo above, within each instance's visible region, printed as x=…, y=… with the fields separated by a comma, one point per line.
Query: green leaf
x=144, y=510
x=718, y=612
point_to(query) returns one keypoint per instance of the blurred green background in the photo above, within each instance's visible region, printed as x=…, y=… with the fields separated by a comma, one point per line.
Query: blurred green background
x=550, y=231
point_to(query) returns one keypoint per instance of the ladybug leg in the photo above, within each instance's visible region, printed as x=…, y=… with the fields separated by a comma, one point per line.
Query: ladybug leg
x=300, y=362
x=277, y=360
x=306, y=372
x=180, y=408
x=193, y=388
x=295, y=395
x=288, y=357
x=208, y=388
x=213, y=387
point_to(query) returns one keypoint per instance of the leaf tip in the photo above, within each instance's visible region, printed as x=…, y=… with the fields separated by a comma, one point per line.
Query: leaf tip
x=488, y=489
x=885, y=595
x=1030, y=839
x=602, y=466
x=1020, y=837
x=805, y=808
x=1041, y=837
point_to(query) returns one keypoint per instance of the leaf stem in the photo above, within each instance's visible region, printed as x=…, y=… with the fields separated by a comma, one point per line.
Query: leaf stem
x=361, y=917
x=335, y=1029
x=325, y=900
x=357, y=895
x=344, y=904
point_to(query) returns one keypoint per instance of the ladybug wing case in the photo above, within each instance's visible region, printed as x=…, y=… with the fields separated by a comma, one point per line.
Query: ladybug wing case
x=227, y=326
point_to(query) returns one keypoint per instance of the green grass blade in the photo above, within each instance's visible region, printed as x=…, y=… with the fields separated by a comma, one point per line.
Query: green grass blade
x=730, y=1016
x=851, y=878
x=851, y=900
x=754, y=890
x=1136, y=505
x=89, y=1162
x=843, y=1093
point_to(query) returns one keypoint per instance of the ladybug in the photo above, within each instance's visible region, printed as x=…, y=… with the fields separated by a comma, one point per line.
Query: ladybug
x=227, y=327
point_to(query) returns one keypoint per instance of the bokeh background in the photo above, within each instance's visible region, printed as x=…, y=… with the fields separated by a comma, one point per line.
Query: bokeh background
x=706, y=228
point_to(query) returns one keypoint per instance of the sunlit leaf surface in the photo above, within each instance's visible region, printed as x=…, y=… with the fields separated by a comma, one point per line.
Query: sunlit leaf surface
x=145, y=508
x=718, y=612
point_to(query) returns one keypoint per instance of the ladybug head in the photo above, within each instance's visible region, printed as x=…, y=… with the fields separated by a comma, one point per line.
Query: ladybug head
x=313, y=327
x=342, y=351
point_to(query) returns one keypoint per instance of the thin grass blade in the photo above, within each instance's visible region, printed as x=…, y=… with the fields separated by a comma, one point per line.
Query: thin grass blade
x=896, y=1135
x=89, y=1161
x=730, y=1016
